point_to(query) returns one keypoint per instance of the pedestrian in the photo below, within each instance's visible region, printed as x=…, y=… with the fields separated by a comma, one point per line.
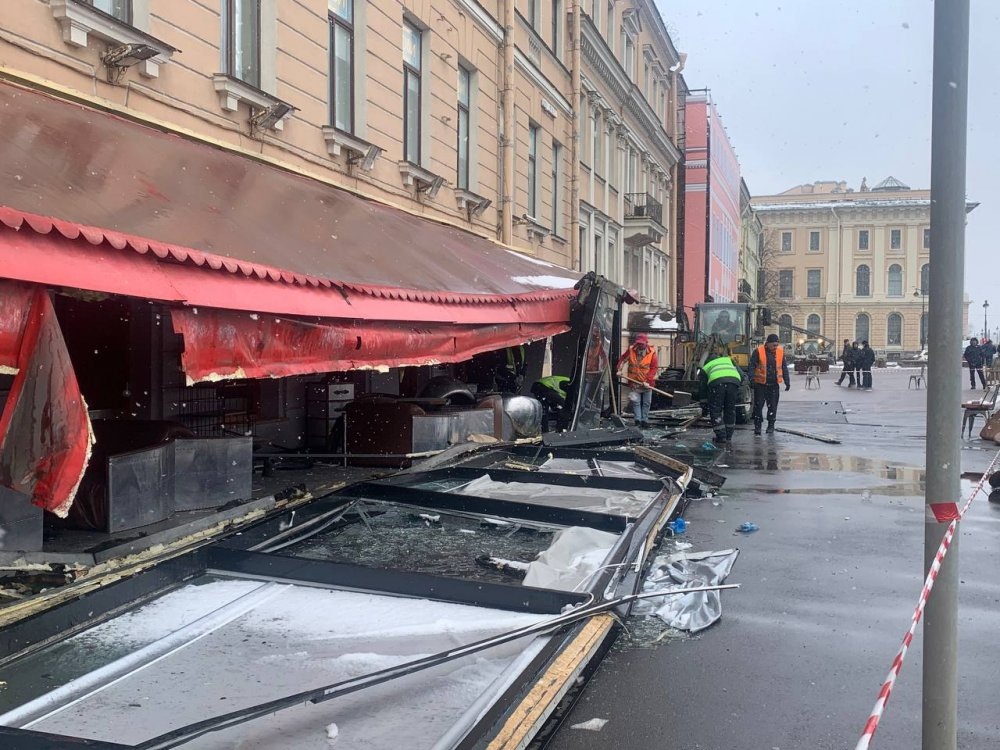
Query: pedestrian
x=856, y=360
x=848, y=357
x=867, y=360
x=723, y=379
x=974, y=359
x=641, y=374
x=769, y=370
x=989, y=351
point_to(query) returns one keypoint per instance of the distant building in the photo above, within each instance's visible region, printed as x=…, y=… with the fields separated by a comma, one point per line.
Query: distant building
x=712, y=206
x=751, y=244
x=851, y=265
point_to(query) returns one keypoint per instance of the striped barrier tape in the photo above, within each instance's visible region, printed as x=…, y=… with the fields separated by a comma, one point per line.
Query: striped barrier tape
x=942, y=512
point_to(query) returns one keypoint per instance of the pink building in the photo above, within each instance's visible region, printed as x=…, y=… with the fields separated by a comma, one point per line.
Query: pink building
x=710, y=256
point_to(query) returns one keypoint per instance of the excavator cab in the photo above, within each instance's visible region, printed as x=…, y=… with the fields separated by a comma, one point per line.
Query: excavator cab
x=725, y=324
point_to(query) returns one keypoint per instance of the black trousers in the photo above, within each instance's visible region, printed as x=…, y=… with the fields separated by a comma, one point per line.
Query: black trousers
x=866, y=378
x=848, y=372
x=972, y=376
x=722, y=397
x=765, y=394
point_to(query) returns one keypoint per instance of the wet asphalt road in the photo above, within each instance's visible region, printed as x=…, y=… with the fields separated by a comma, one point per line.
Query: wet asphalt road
x=829, y=585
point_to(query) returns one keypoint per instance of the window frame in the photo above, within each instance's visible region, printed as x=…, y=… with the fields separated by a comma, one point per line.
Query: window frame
x=785, y=329
x=868, y=280
x=895, y=233
x=868, y=327
x=556, y=28
x=415, y=73
x=890, y=319
x=819, y=283
x=889, y=281
x=925, y=279
x=533, y=130
x=334, y=21
x=927, y=238
x=790, y=245
x=534, y=14
x=814, y=234
x=129, y=18
x=819, y=324
x=866, y=233
x=231, y=69
x=556, y=187
x=789, y=274
x=463, y=110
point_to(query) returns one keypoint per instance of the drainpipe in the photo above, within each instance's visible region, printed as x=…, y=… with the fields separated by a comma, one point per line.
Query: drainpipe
x=507, y=144
x=840, y=274
x=576, y=85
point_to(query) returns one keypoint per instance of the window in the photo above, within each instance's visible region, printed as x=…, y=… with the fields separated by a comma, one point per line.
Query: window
x=533, y=14
x=120, y=9
x=925, y=278
x=814, y=242
x=862, y=327
x=813, y=324
x=862, y=239
x=785, y=283
x=609, y=31
x=785, y=329
x=813, y=279
x=863, y=282
x=597, y=141
x=464, y=100
x=556, y=187
x=895, y=239
x=342, y=65
x=894, y=330
x=786, y=242
x=923, y=331
x=557, y=27
x=895, y=280
x=243, y=40
x=927, y=238
x=628, y=56
x=532, y=170
x=412, y=67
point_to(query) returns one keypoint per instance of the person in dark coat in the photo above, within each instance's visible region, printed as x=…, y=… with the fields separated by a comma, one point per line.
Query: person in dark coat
x=974, y=359
x=866, y=357
x=768, y=370
x=856, y=361
x=848, y=357
x=989, y=351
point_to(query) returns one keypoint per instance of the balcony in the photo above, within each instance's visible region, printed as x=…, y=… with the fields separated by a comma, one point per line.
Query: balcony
x=643, y=220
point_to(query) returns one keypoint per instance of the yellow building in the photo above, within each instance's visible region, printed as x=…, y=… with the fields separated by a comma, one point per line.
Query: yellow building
x=850, y=264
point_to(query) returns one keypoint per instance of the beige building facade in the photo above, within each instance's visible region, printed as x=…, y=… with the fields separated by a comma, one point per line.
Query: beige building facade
x=851, y=264
x=514, y=119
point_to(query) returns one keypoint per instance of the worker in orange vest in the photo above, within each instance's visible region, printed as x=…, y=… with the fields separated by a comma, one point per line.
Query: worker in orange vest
x=768, y=370
x=641, y=373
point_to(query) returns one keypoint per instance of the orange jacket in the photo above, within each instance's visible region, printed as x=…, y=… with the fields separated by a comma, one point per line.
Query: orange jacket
x=760, y=371
x=644, y=370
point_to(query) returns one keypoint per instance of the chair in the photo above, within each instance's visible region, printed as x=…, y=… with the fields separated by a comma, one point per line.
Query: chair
x=812, y=378
x=984, y=408
x=918, y=381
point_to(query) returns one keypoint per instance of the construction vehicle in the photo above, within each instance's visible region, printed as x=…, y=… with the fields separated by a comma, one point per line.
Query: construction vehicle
x=814, y=350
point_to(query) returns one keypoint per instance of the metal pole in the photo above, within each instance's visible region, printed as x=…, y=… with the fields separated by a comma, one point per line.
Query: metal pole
x=948, y=154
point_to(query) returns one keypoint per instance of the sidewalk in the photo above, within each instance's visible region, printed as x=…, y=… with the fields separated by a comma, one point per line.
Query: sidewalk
x=829, y=585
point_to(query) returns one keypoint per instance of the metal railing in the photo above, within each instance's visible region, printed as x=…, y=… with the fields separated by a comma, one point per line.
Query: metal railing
x=643, y=206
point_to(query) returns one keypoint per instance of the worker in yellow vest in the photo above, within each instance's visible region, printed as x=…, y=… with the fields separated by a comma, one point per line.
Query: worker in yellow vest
x=641, y=373
x=769, y=370
x=723, y=378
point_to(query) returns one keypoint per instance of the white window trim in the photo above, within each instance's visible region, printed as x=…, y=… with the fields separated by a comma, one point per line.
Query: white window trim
x=80, y=21
x=423, y=180
x=338, y=141
x=232, y=92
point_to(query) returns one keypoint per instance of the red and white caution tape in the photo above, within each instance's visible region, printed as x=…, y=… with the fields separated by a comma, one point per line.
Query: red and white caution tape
x=942, y=512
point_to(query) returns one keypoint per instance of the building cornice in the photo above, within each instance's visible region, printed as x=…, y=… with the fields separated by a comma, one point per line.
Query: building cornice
x=482, y=16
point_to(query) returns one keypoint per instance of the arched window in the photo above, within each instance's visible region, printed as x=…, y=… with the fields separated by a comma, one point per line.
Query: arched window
x=862, y=327
x=895, y=280
x=813, y=324
x=923, y=330
x=925, y=278
x=894, y=330
x=785, y=329
x=863, y=283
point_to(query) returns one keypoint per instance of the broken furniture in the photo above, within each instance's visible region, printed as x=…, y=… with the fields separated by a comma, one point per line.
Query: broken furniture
x=984, y=408
x=918, y=381
x=812, y=378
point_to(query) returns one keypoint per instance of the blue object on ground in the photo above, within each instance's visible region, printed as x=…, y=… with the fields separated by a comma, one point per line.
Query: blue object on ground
x=707, y=446
x=747, y=527
x=678, y=526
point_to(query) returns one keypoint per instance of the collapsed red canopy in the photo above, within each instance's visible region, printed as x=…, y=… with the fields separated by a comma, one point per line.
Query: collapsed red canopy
x=228, y=344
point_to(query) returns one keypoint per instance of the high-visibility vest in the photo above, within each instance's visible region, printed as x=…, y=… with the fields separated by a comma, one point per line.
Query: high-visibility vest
x=555, y=383
x=638, y=369
x=760, y=374
x=720, y=367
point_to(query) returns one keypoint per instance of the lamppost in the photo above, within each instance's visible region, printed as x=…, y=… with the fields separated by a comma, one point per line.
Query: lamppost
x=986, y=327
x=922, y=293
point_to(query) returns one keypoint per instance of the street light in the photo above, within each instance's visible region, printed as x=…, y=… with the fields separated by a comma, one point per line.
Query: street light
x=922, y=293
x=986, y=327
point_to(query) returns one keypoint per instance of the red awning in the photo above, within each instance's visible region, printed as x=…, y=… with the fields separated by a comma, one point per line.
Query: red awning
x=125, y=192
x=222, y=344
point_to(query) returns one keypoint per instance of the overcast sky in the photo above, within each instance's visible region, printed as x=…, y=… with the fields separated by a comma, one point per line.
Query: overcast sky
x=839, y=91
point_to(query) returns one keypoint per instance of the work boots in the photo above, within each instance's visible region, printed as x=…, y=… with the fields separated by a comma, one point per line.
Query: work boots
x=770, y=428
x=756, y=428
